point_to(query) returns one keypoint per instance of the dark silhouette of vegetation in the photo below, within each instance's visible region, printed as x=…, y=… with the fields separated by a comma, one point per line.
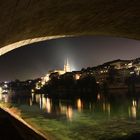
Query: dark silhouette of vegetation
x=66, y=86
x=112, y=73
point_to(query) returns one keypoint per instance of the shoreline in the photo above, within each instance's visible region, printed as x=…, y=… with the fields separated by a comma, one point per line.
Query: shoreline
x=21, y=124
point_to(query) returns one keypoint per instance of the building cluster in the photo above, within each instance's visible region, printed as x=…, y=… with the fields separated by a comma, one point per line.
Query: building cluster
x=122, y=70
x=119, y=69
x=46, y=78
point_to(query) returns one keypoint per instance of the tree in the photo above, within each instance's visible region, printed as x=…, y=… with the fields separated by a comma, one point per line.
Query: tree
x=112, y=73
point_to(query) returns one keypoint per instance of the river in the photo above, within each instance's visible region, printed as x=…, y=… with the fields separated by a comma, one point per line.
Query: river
x=108, y=116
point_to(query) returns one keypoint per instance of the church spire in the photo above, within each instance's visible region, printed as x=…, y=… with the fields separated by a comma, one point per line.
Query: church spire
x=67, y=66
x=67, y=62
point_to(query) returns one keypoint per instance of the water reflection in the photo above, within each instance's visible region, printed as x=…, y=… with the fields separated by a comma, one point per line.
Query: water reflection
x=133, y=110
x=31, y=103
x=102, y=106
x=79, y=104
x=108, y=109
x=98, y=96
x=63, y=108
x=102, y=116
x=47, y=103
x=69, y=113
x=5, y=98
x=44, y=103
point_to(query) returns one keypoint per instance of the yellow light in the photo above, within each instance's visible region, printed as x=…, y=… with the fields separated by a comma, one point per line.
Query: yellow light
x=63, y=109
x=98, y=96
x=32, y=90
x=31, y=103
x=48, y=105
x=79, y=105
x=77, y=76
x=0, y=89
x=37, y=87
x=37, y=98
x=5, y=97
x=33, y=95
x=134, y=103
x=0, y=93
x=69, y=113
x=43, y=82
x=134, y=112
x=46, y=78
x=133, y=109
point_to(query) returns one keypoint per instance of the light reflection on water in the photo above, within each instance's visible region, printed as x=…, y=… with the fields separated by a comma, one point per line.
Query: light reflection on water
x=69, y=107
x=79, y=104
x=119, y=112
x=133, y=110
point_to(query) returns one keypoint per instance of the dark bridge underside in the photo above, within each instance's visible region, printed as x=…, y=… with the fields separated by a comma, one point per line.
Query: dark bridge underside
x=26, y=19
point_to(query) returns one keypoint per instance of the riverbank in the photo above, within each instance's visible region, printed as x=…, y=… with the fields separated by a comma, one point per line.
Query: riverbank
x=16, y=127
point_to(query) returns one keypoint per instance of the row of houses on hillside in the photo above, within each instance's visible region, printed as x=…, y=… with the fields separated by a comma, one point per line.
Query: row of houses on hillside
x=123, y=69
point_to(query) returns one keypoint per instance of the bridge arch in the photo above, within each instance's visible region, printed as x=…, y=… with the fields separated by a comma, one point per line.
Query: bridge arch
x=24, y=22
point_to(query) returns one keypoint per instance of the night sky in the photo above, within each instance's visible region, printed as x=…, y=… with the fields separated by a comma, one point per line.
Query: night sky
x=35, y=60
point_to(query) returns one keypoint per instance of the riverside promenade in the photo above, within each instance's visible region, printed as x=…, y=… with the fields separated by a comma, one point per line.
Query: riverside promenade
x=13, y=129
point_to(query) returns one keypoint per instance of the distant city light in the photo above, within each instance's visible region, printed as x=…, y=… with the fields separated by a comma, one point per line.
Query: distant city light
x=5, y=85
x=132, y=72
x=77, y=76
x=32, y=90
x=1, y=90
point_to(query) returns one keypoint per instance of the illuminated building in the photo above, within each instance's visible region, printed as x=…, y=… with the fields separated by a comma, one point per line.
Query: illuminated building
x=119, y=64
x=77, y=75
x=59, y=71
x=67, y=66
x=46, y=78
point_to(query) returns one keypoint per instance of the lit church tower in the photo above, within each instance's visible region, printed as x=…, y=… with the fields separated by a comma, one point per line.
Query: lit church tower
x=67, y=66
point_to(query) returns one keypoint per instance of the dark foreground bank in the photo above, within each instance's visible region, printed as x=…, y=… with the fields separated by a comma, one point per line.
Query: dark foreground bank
x=13, y=129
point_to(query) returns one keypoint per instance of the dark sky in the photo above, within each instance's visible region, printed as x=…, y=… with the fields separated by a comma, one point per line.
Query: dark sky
x=35, y=60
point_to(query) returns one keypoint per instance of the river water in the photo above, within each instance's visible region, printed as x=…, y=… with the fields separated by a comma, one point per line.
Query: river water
x=103, y=117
